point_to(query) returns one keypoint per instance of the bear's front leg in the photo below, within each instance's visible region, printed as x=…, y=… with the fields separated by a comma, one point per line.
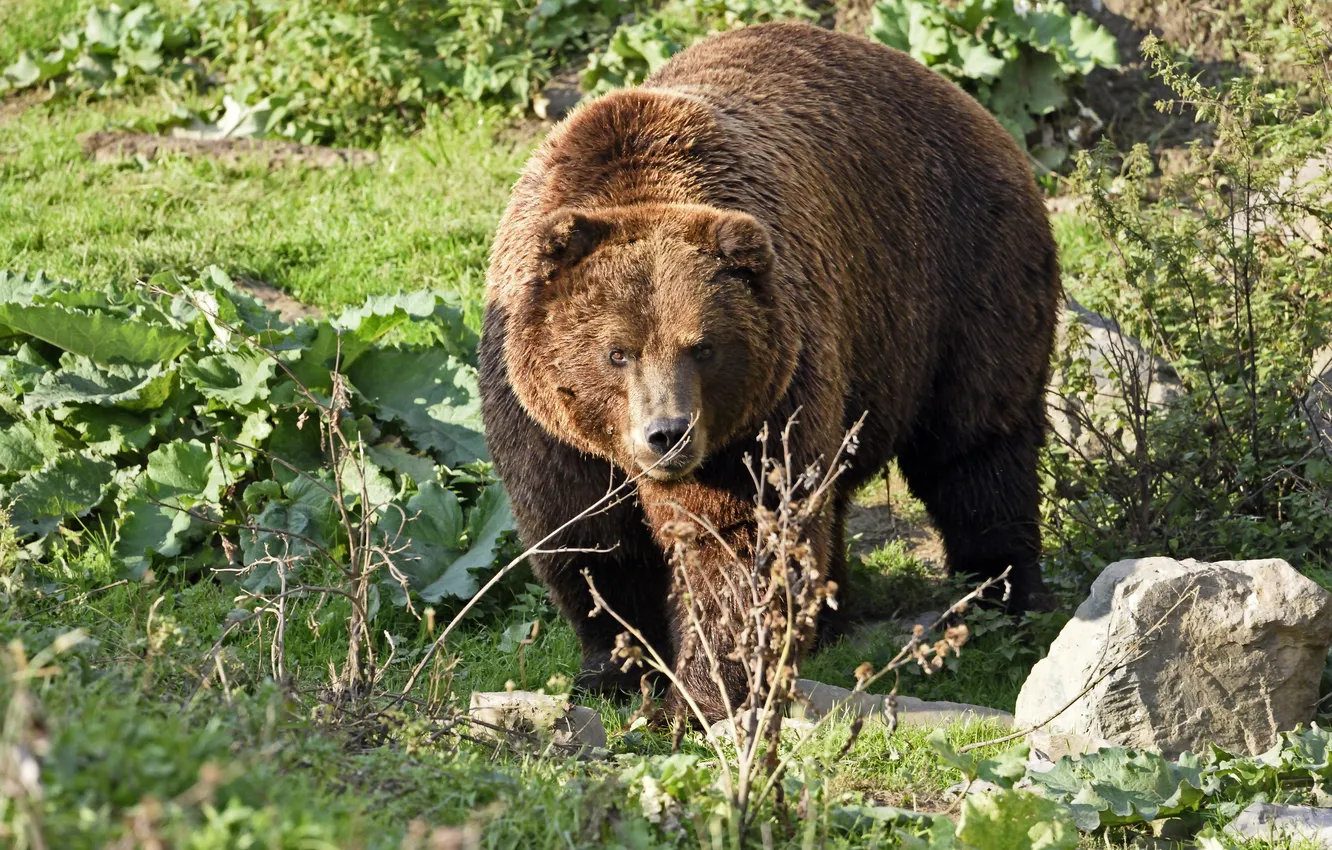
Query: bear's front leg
x=549, y=483
x=714, y=596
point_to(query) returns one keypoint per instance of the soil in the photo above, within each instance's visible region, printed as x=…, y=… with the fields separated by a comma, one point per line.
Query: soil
x=15, y=104
x=287, y=308
x=885, y=512
x=115, y=146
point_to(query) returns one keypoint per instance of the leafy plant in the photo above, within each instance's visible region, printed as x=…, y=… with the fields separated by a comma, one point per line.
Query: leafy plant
x=1118, y=786
x=638, y=48
x=113, y=47
x=1019, y=59
x=174, y=416
x=1222, y=272
x=350, y=71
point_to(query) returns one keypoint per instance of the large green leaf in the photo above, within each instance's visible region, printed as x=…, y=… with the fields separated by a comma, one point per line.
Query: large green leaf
x=27, y=445
x=976, y=61
x=185, y=473
x=18, y=288
x=68, y=486
x=435, y=517
x=429, y=534
x=21, y=371
x=390, y=455
x=380, y=314
x=431, y=393
x=889, y=24
x=486, y=522
x=1006, y=820
x=232, y=379
x=1090, y=45
x=1033, y=84
x=1119, y=785
x=928, y=31
x=99, y=336
x=290, y=528
x=431, y=561
x=148, y=529
x=81, y=381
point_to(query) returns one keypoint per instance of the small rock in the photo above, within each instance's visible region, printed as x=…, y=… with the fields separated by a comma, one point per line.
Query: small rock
x=536, y=718
x=1176, y=655
x=1289, y=823
x=821, y=699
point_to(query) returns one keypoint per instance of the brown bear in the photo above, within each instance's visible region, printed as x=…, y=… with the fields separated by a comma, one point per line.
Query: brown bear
x=782, y=218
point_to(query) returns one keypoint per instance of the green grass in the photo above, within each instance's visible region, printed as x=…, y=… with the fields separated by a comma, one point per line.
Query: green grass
x=422, y=217
x=245, y=761
x=35, y=24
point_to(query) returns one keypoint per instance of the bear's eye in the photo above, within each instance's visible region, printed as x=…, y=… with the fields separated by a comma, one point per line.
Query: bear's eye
x=703, y=351
x=618, y=357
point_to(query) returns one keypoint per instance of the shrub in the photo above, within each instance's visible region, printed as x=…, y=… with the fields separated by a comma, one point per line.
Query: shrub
x=1019, y=59
x=1224, y=271
x=638, y=48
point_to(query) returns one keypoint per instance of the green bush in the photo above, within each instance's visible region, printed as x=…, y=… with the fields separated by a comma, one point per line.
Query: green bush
x=1019, y=59
x=349, y=71
x=1222, y=270
x=639, y=48
x=113, y=47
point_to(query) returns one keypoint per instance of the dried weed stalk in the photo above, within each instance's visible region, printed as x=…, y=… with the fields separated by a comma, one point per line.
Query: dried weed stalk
x=761, y=624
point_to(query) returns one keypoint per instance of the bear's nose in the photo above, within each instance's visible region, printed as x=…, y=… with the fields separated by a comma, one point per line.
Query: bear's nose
x=664, y=433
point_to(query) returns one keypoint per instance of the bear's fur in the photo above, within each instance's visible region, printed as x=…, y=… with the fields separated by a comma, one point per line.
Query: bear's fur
x=782, y=218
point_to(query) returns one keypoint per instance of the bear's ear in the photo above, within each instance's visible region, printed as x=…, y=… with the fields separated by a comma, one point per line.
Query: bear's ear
x=743, y=244
x=567, y=236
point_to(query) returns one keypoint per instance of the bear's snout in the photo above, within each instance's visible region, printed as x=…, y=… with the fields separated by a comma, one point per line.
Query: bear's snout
x=663, y=434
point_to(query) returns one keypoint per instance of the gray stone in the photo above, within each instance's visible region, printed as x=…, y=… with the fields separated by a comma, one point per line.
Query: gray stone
x=1283, y=823
x=524, y=717
x=820, y=699
x=1175, y=655
x=1119, y=365
x=1319, y=400
x=721, y=729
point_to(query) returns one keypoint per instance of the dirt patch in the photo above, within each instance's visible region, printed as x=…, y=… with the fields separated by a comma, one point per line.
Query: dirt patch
x=287, y=308
x=115, y=146
x=1209, y=32
x=15, y=104
x=854, y=16
x=878, y=525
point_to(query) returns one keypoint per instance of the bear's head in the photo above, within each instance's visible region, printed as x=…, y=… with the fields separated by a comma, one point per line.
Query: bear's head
x=650, y=335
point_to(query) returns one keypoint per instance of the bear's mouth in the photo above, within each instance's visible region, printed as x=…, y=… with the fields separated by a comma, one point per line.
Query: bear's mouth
x=672, y=469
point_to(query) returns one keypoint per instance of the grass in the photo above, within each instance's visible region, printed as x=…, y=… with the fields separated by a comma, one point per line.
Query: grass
x=422, y=217
x=247, y=762
x=29, y=25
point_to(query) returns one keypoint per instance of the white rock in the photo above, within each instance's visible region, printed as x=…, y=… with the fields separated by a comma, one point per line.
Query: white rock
x=1283, y=823
x=1174, y=655
x=534, y=719
x=821, y=699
